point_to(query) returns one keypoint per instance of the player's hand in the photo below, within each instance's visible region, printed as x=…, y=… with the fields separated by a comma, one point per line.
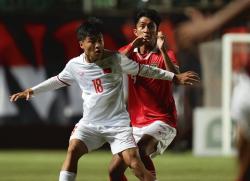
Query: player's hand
x=27, y=94
x=139, y=41
x=161, y=41
x=187, y=78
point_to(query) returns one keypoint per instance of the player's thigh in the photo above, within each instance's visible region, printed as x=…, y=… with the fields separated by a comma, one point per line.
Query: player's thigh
x=147, y=144
x=89, y=135
x=77, y=148
x=119, y=138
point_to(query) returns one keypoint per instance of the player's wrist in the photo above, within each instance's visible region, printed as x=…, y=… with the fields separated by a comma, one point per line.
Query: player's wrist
x=175, y=79
x=30, y=91
x=163, y=49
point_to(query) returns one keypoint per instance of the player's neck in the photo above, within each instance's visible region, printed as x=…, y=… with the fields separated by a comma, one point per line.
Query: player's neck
x=145, y=49
x=89, y=59
x=92, y=59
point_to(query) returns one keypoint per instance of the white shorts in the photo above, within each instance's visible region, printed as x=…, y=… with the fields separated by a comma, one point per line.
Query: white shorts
x=240, y=108
x=160, y=131
x=94, y=136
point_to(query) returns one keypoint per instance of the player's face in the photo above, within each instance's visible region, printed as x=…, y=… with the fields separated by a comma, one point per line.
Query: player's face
x=93, y=47
x=147, y=29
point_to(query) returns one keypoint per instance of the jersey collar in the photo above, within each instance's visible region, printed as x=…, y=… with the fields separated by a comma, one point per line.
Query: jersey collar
x=136, y=50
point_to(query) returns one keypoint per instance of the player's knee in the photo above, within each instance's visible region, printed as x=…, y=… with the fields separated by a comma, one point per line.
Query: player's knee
x=137, y=168
x=134, y=163
x=146, y=150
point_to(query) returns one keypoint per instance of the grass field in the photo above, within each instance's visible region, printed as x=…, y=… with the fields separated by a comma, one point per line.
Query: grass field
x=23, y=165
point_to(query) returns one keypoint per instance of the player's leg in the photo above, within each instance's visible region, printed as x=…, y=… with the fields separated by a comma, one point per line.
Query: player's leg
x=84, y=138
x=147, y=145
x=76, y=149
x=152, y=140
x=122, y=143
x=117, y=168
x=132, y=159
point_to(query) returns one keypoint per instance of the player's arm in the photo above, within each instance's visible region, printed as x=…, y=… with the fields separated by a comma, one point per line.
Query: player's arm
x=133, y=68
x=201, y=26
x=48, y=85
x=137, y=42
x=65, y=78
x=185, y=78
x=161, y=44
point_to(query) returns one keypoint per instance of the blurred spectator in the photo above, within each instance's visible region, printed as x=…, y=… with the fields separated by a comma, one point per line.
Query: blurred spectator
x=241, y=110
x=198, y=28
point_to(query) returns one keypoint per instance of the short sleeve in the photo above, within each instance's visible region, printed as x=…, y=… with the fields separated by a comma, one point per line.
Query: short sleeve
x=129, y=66
x=65, y=76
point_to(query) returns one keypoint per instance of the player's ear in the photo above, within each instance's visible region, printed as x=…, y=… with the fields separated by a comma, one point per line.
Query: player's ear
x=135, y=32
x=81, y=44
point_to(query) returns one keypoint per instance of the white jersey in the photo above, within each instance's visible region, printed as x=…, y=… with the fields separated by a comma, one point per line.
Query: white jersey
x=102, y=86
x=240, y=109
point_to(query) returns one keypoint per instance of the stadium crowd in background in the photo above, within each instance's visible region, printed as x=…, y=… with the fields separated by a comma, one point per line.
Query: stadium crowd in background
x=98, y=73
x=151, y=105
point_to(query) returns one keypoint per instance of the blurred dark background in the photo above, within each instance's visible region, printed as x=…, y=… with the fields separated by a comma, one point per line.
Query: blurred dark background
x=38, y=37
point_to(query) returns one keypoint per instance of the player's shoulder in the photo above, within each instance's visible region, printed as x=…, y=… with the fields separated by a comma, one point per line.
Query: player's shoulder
x=76, y=59
x=110, y=54
x=123, y=47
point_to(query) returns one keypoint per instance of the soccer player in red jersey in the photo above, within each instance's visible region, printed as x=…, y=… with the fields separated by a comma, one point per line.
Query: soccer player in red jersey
x=150, y=102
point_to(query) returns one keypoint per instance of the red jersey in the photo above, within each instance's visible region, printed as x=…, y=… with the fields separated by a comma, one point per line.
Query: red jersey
x=149, y=99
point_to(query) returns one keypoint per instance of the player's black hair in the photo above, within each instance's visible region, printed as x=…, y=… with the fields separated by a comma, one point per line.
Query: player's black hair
x=92, y=27
x=149, y=13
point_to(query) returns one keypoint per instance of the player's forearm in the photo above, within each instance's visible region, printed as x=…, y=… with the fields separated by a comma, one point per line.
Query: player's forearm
x=155, y=73
x=227, y=13
x=48, y=85
x=168, y=63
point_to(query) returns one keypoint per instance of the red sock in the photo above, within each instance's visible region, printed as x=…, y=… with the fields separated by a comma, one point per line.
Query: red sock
x=149, y=164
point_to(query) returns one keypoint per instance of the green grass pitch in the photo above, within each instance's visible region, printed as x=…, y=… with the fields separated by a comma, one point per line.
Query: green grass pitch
x=42, y=165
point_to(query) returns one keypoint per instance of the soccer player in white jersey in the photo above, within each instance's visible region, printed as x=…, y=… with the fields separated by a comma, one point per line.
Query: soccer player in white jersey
x=98, y=72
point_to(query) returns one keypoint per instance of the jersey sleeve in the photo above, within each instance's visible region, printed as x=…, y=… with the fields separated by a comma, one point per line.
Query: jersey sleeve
x=65, y=76
x=63, y=79
x=122, y=49
x=133, y=68
x=129, y=66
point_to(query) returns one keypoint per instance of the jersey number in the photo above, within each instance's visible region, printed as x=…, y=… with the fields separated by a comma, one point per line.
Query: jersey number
x=98, y=85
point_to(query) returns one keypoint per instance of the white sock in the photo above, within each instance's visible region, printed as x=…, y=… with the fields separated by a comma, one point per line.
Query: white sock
x=67, y=176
